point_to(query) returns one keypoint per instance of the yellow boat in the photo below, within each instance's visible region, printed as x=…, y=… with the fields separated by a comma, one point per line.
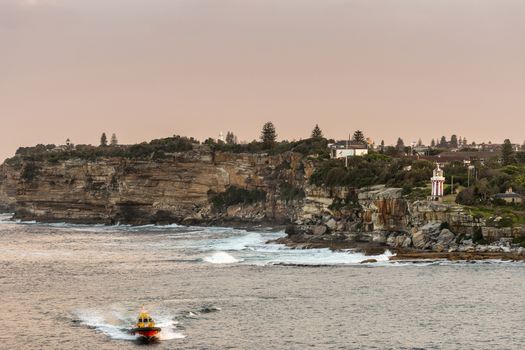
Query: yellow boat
x=145, y=326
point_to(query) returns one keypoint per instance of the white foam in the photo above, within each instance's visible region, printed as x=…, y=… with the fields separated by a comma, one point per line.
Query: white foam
x=221, y=258
x=117, y=327
x=234, y=243
x=324, y=257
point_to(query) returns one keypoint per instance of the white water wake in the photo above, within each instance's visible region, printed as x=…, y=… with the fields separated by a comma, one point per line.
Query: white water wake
x=116, y=325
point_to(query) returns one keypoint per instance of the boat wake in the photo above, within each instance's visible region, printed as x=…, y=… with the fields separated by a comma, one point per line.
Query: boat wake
x=116, y=325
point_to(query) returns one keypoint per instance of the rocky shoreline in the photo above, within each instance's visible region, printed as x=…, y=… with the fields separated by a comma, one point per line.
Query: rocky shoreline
x=208, y=188
x=478, y=253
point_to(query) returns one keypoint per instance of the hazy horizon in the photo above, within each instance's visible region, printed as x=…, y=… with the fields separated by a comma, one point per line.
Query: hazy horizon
x=150, y=69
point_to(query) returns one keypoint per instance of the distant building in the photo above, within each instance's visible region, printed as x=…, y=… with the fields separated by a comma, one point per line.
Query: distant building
x=510, y=197
x=344, y=149
x=438, y=182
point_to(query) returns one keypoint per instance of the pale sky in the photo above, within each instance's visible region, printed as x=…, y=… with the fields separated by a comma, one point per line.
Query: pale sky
x=151, y=68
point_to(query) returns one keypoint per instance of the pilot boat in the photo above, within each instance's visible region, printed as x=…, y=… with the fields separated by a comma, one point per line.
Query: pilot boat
x=145, y=326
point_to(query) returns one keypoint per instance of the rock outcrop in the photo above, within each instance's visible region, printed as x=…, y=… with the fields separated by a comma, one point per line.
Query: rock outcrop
x=192, y=188
x=178, y=189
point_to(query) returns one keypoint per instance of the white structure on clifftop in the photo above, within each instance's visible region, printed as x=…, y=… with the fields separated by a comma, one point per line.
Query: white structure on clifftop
x=438, y=182
x=344, y=149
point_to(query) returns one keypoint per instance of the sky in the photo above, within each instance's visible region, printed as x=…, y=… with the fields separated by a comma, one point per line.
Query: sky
x=145, y=69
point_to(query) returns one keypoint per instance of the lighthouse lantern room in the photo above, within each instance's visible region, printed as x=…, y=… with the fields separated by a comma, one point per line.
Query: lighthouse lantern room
x=438, y=182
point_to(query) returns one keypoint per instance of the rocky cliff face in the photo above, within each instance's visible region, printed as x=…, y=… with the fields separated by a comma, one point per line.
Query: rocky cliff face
x=177, y=189
x=383, y=216
x=184, y=187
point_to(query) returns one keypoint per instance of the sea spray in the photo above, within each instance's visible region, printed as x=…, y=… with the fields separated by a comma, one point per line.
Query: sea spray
x=221, y=258
x=116, y=324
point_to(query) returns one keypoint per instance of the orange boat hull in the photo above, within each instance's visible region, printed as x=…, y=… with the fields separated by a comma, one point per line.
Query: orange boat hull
x=147, y=332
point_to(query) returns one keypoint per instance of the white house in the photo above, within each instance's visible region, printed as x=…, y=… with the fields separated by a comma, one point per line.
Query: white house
x=344, y=149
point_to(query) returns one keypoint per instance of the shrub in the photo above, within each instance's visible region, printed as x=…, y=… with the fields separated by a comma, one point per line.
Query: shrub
x=30, y=171
x=290, y=193
x=235, y=195
x=444, y=225
x=477, y=238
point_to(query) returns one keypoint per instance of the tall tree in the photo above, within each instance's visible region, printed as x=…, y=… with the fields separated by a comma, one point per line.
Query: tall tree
x=317, y=133
x=230, y=138
x=465, y=141
x=103, y=139
x=443, y=142
x=400, y=145
x=419, y=143
x=382, y=146
x=114, y=140
x=359, y=137
x=268, y=135
x=507, y=153
x=454, y=141
x=433, y=143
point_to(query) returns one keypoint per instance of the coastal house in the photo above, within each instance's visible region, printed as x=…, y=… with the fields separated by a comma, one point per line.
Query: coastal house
x=344, y=149
x=510, y=197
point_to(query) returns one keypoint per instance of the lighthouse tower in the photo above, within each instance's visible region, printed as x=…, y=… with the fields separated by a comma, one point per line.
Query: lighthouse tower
x=438, y=181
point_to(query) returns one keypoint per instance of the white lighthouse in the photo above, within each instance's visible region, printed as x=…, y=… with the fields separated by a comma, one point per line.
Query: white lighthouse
x=438, y=182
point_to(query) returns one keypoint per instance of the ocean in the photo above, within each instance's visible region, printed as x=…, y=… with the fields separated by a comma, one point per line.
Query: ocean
x=81, y=286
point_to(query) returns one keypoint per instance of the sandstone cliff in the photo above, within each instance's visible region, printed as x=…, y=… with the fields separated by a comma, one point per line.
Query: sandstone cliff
x=175, y=189
x=195, y=187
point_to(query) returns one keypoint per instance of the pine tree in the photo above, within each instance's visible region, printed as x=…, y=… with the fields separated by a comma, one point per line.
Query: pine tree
x=454, y=141
x=400, y=145
x=230, y=138
x=103, y=140
x=382, y=146
x=433, y=143
x=507, y=153
x=114, y=140
x=268, y=135
x=465, y=141
x=443, y=142
x=317, y=132
x=359, y=137
x=419, y=143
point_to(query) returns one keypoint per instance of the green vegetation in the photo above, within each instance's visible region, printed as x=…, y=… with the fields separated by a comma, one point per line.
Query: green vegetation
x=509, y=215
x=316, y=132
x=477, y=238
x=359, y=137
x=351, y=201
x=235, y=195
x=156, y=149
x=114, y=140
x=268, y=135
x=373, y=169
x=492, y=179
x=317, y=147
x=30, y=171
x=103, y=140
x=507, y=153
x=290, y=193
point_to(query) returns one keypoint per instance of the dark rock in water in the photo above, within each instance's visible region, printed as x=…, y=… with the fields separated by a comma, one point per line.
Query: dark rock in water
x=368, y=261
x=209, y=308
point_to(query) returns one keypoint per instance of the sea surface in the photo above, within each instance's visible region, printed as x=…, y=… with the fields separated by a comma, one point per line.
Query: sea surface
x=80, y=287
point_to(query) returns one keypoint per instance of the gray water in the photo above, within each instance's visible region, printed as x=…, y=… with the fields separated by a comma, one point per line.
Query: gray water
x=80, y=287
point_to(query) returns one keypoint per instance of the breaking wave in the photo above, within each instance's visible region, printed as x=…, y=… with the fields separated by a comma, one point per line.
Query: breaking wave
x=221, y=258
